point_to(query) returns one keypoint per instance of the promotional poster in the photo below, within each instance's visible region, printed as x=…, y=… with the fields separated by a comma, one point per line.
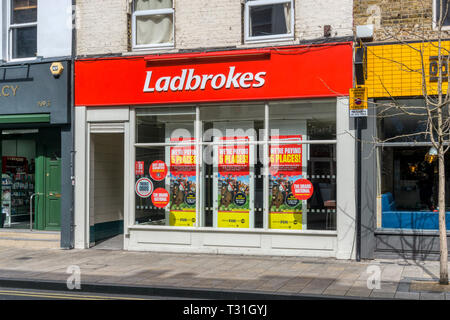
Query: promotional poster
x=182, y=186
x=234, y=180
x=285, y=169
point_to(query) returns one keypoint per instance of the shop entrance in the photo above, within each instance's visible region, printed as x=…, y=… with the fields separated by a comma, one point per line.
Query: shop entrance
x=31, y=179
x=106, y=191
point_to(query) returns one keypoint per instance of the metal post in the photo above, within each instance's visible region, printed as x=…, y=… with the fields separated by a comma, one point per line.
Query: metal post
x=358, y=189
x=31, y=211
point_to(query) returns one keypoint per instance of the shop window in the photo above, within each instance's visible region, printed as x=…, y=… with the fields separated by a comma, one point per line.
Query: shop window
x=269, y=20
x=437, y=13
x=152, y=24
x=409, y=187
x=22, y=29
x=252, y=166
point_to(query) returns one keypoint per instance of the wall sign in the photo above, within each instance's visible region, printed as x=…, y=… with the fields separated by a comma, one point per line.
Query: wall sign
x=239, y=75
x=358, y=102
x=144, y=187
x=139, y=168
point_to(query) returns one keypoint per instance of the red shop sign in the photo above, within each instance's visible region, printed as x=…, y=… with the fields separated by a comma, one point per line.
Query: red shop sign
x=302, y=189
x=239, y=75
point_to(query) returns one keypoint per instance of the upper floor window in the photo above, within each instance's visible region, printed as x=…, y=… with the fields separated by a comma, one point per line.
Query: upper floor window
x=269, y=19
x=152, y=24
x=437, y=9
x=22, y=29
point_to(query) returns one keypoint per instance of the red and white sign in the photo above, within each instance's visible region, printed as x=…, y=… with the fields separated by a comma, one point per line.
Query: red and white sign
x=302, y=71
x=302, y=189
x=234, y=159
x=160, y=198
x=139, y=168
x=286, y=159
x=158, y=170
x=144, y=187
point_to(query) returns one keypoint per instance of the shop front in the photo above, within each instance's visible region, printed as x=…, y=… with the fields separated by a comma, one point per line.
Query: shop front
x=35, y=146
x=242, y=151
x=400, y=167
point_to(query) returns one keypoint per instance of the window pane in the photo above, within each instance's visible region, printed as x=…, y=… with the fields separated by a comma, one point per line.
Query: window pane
x=23, y=11
x=445, y=10
x=168, y=124
x=270, y=19
x=24, y=42
x=152, y=4
x=154, y=29
x=170, y=173
x=232, y=181
x=409, y=187
x=312, y=120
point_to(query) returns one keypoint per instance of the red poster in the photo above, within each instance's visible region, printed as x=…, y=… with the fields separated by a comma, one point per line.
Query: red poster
x=302, y=189
x=182, y=160
x=234, y=159
x=158, y=170
x=139, y=168
x=286, y=159
x=160, y=198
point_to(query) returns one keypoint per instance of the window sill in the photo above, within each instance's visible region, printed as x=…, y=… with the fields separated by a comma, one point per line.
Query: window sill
x=151, y=49
x=413, y=232
x=266, y=40
x=235, y=230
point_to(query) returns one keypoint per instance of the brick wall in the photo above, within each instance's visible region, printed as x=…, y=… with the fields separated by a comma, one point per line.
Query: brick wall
x=396, y=20
x=104, y=28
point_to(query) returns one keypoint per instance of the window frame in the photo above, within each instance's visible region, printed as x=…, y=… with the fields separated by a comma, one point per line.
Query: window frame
x=434, y=24
x=11, y=27
x=270, y=38
x=146, y=13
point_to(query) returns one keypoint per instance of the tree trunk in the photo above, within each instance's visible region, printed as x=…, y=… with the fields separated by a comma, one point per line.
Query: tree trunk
x=443, y=276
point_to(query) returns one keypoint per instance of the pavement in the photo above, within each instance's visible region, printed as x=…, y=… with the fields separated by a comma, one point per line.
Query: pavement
x=209, y=276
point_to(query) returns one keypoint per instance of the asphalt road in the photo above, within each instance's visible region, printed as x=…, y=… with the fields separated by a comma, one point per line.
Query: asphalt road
x=25, y=294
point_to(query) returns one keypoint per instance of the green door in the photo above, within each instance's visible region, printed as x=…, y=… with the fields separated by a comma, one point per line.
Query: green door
x=52, y=193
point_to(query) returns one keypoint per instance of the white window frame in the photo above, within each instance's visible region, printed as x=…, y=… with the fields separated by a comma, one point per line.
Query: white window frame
x=11, y=27
x=435, y=27
x=276, y=37
x=150, y=13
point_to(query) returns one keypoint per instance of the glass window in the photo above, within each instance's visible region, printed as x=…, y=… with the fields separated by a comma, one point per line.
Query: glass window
x=231, y=170
x=23, y=29
x=152, y=23
x=445, y=12
x=269, y=19
x=409, y=187
x=263, y=166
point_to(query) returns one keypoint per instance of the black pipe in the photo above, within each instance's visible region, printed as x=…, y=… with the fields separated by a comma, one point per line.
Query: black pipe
x=358, y=189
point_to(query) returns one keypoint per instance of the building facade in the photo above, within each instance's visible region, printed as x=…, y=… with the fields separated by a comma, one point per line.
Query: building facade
x=217, y=127
x=35, y=117
x=399, y=66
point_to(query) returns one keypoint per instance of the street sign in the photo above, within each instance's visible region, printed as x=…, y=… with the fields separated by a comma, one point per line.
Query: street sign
x=358, y=102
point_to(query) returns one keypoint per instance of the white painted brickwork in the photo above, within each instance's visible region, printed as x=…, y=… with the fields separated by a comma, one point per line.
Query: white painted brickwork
x=102, y=24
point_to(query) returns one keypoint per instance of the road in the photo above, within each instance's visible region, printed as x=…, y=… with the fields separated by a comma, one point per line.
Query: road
x=25, y=294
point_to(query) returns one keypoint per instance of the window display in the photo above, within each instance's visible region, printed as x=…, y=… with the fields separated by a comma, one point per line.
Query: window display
x=260, y=166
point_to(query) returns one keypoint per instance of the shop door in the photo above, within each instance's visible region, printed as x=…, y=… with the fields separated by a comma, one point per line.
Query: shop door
x=52, y=193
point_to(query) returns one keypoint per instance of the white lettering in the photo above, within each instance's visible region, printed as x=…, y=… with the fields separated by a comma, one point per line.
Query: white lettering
x=205, y=79
x=166, y=81
x=246, y=77
x=214, y=84
x=181, y=79
x=189, y=81
x=259, y=79
x=191, y=77
x=232, y=78
x=147, y=82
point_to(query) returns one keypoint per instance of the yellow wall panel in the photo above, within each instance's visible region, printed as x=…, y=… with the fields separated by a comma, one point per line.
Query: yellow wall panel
x=396, y=69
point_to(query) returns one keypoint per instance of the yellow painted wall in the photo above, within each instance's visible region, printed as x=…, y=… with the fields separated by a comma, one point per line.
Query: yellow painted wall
x=396, y=69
